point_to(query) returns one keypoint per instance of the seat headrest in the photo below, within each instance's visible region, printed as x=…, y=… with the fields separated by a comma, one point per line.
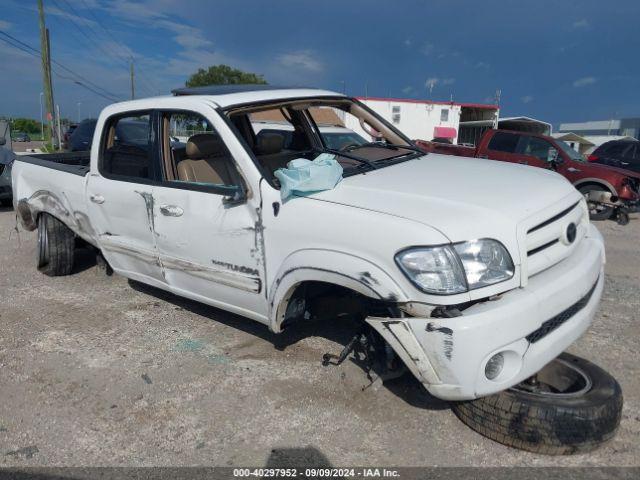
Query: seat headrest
x=204, y=145
x=270, y=143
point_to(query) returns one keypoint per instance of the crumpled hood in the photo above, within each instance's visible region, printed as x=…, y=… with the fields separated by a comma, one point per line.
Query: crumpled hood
x=463, y=198
x=595, y=168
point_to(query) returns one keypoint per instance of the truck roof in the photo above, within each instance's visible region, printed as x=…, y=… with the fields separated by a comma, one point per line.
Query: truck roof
x=227, y=95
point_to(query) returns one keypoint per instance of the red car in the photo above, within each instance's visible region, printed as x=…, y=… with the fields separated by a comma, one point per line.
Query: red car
x=610, y=191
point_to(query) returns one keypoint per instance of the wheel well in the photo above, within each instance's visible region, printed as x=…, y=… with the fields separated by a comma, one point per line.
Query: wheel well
x=322, y=300
x=598, y=185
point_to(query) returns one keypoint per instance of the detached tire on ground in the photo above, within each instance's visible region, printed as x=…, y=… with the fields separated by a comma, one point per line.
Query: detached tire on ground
x=56, y=245
x=574, y=407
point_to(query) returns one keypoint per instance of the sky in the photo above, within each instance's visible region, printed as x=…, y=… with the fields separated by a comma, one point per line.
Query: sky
x=558, y=61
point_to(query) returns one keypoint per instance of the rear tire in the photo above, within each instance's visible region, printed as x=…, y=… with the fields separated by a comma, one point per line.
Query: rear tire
x=578, y=414
x=596, y=211
x=56, y=245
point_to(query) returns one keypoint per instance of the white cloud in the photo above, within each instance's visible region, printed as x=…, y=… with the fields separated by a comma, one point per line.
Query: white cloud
x=581, y=23
x=583, y=82
x=408, y=42
x=4, y=25
x=527, y=99
x=304, y=59
x=430, y=83
x=78, y=20
x=484, y=65
x=407, y=90
x=427, y=49
x=186, y=36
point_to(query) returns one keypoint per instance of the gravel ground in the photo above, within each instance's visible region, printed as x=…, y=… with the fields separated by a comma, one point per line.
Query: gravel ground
x=97, y=370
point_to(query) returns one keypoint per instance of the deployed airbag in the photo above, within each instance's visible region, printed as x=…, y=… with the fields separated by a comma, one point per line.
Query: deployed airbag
x=303, y=176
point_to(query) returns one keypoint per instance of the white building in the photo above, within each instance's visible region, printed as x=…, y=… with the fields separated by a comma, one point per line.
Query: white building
x=460, y=123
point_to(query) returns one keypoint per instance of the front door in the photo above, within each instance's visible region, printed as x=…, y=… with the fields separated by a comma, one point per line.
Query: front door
x=210, y=246
x=535, y=151
x=121, y=202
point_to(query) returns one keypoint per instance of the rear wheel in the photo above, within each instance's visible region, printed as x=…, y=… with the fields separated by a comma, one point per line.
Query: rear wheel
x=56, y=245
x=597, y=211
x=570, y=406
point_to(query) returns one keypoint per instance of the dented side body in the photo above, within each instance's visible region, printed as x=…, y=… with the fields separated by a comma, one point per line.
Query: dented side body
x=251, y=257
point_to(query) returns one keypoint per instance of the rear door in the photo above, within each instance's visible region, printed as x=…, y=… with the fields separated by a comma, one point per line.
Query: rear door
x=501, y=146
x=121, y=198
x=210, y=246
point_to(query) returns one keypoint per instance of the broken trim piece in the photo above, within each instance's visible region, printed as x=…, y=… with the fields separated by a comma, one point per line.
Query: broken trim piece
x=398, y=334
x=243, y=278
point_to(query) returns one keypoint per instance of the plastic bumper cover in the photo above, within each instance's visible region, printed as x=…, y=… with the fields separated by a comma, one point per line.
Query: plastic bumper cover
x=530, y=326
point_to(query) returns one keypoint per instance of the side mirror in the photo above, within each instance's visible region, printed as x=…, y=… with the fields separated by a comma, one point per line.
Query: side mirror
x=553, y=156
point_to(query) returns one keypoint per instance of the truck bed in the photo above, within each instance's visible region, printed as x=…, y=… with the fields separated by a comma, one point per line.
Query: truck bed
x=76, y=163
x=446, y=149
x=55, y=184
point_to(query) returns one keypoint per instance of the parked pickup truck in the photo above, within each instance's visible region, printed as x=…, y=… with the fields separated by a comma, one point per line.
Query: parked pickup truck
x=471, y=284
x=610, y=192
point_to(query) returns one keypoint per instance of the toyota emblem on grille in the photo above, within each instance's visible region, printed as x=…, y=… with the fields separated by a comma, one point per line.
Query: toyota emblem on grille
x=571, y=233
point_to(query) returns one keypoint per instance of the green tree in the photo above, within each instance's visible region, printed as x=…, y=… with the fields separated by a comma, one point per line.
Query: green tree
x=223, y=75
x=26, y=125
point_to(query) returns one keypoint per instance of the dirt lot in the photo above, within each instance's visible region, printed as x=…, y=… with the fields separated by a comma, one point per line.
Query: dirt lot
x=96, y=370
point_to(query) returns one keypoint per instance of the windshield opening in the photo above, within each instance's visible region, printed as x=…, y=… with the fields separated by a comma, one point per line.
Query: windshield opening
x=571, y=153
x=285, y=130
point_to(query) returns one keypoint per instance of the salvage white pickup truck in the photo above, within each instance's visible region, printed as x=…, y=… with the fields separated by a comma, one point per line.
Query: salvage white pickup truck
x=475, y=282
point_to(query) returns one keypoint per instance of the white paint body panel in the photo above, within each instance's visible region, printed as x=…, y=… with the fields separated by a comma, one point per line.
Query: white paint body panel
x=247, y=259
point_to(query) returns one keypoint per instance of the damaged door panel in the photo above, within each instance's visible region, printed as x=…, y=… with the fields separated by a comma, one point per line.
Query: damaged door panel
x=219, y=258
x=122, y=213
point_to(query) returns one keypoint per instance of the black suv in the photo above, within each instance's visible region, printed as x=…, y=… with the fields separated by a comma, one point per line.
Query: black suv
x=618, y=153
x=82, y=136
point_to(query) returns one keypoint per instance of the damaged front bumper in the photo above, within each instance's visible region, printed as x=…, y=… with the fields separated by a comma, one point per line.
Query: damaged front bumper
x=529, y=326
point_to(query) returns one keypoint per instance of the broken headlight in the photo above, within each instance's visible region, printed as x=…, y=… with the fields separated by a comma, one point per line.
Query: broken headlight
x=458, y=268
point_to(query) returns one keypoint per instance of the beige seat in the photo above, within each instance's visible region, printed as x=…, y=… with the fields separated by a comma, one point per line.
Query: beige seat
x=207, y=161
x=269, y=151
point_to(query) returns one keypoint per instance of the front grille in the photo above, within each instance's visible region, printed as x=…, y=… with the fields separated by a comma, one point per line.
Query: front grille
x=553, y=323
x=552, y=219
x=545, y=240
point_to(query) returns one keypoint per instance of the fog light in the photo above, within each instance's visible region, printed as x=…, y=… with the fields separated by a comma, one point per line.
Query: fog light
x=494, y=366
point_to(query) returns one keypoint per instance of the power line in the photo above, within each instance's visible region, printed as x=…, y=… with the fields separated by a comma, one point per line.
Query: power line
x=96, y=40
x=83, y=32
x=36, y=51
x=92, y=87
x=122, y=45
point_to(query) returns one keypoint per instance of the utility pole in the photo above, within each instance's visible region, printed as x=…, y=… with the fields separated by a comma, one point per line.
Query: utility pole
x=59, y=129
x=41, y=119
x=133, y=88
x=46, y=71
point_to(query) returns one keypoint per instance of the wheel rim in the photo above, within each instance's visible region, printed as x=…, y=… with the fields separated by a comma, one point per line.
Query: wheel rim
x=559, y=378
